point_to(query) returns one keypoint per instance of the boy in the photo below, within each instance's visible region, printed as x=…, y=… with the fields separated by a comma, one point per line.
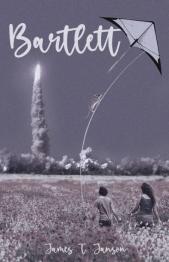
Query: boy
x=104, y=205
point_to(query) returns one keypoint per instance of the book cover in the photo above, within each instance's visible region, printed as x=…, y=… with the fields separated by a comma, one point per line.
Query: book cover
x=84, y=113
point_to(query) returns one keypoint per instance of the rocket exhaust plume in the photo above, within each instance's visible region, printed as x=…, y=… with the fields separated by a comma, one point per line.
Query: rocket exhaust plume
x=40, y=139
x=37, y=73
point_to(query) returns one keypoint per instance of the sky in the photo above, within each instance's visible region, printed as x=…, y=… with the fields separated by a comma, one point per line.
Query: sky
x=132, y=121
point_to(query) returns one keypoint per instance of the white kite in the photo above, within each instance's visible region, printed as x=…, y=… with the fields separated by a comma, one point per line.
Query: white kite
x=141, y=34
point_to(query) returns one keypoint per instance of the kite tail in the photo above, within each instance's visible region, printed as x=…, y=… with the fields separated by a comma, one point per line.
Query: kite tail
x=93, y=113
x=121, y=57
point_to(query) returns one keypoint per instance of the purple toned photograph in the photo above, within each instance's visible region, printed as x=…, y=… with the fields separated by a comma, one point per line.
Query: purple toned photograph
x=84, y=135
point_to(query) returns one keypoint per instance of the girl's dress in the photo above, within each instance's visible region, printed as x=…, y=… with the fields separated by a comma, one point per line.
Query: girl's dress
x=144, y=217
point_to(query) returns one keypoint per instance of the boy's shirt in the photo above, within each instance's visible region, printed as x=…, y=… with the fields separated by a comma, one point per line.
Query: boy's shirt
x=104, y=205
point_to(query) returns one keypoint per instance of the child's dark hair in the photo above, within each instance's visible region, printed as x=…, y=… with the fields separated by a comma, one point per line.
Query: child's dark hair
x=147, y=189
x=103, y=191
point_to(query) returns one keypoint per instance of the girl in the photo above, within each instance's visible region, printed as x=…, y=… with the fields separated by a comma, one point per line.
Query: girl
x=146, y=209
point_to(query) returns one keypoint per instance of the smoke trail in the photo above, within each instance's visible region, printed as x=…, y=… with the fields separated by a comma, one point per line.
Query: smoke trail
x=93, y=114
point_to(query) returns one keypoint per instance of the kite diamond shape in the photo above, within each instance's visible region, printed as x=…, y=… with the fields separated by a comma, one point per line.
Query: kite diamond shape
x=141, y=34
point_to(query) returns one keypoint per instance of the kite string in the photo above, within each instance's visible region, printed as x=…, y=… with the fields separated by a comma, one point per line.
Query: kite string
x=82, y=148
x=119, y=75
x=113, y=67
x=121, y=57
x=93, y=114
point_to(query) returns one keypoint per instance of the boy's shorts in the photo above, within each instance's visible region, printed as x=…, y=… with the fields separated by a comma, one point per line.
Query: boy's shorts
x=105, y=223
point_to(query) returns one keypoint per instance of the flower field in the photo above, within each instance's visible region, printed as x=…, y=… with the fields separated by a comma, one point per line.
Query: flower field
x=44, y=219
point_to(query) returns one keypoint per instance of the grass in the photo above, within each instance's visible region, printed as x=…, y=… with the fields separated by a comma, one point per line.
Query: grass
x=34, y=213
